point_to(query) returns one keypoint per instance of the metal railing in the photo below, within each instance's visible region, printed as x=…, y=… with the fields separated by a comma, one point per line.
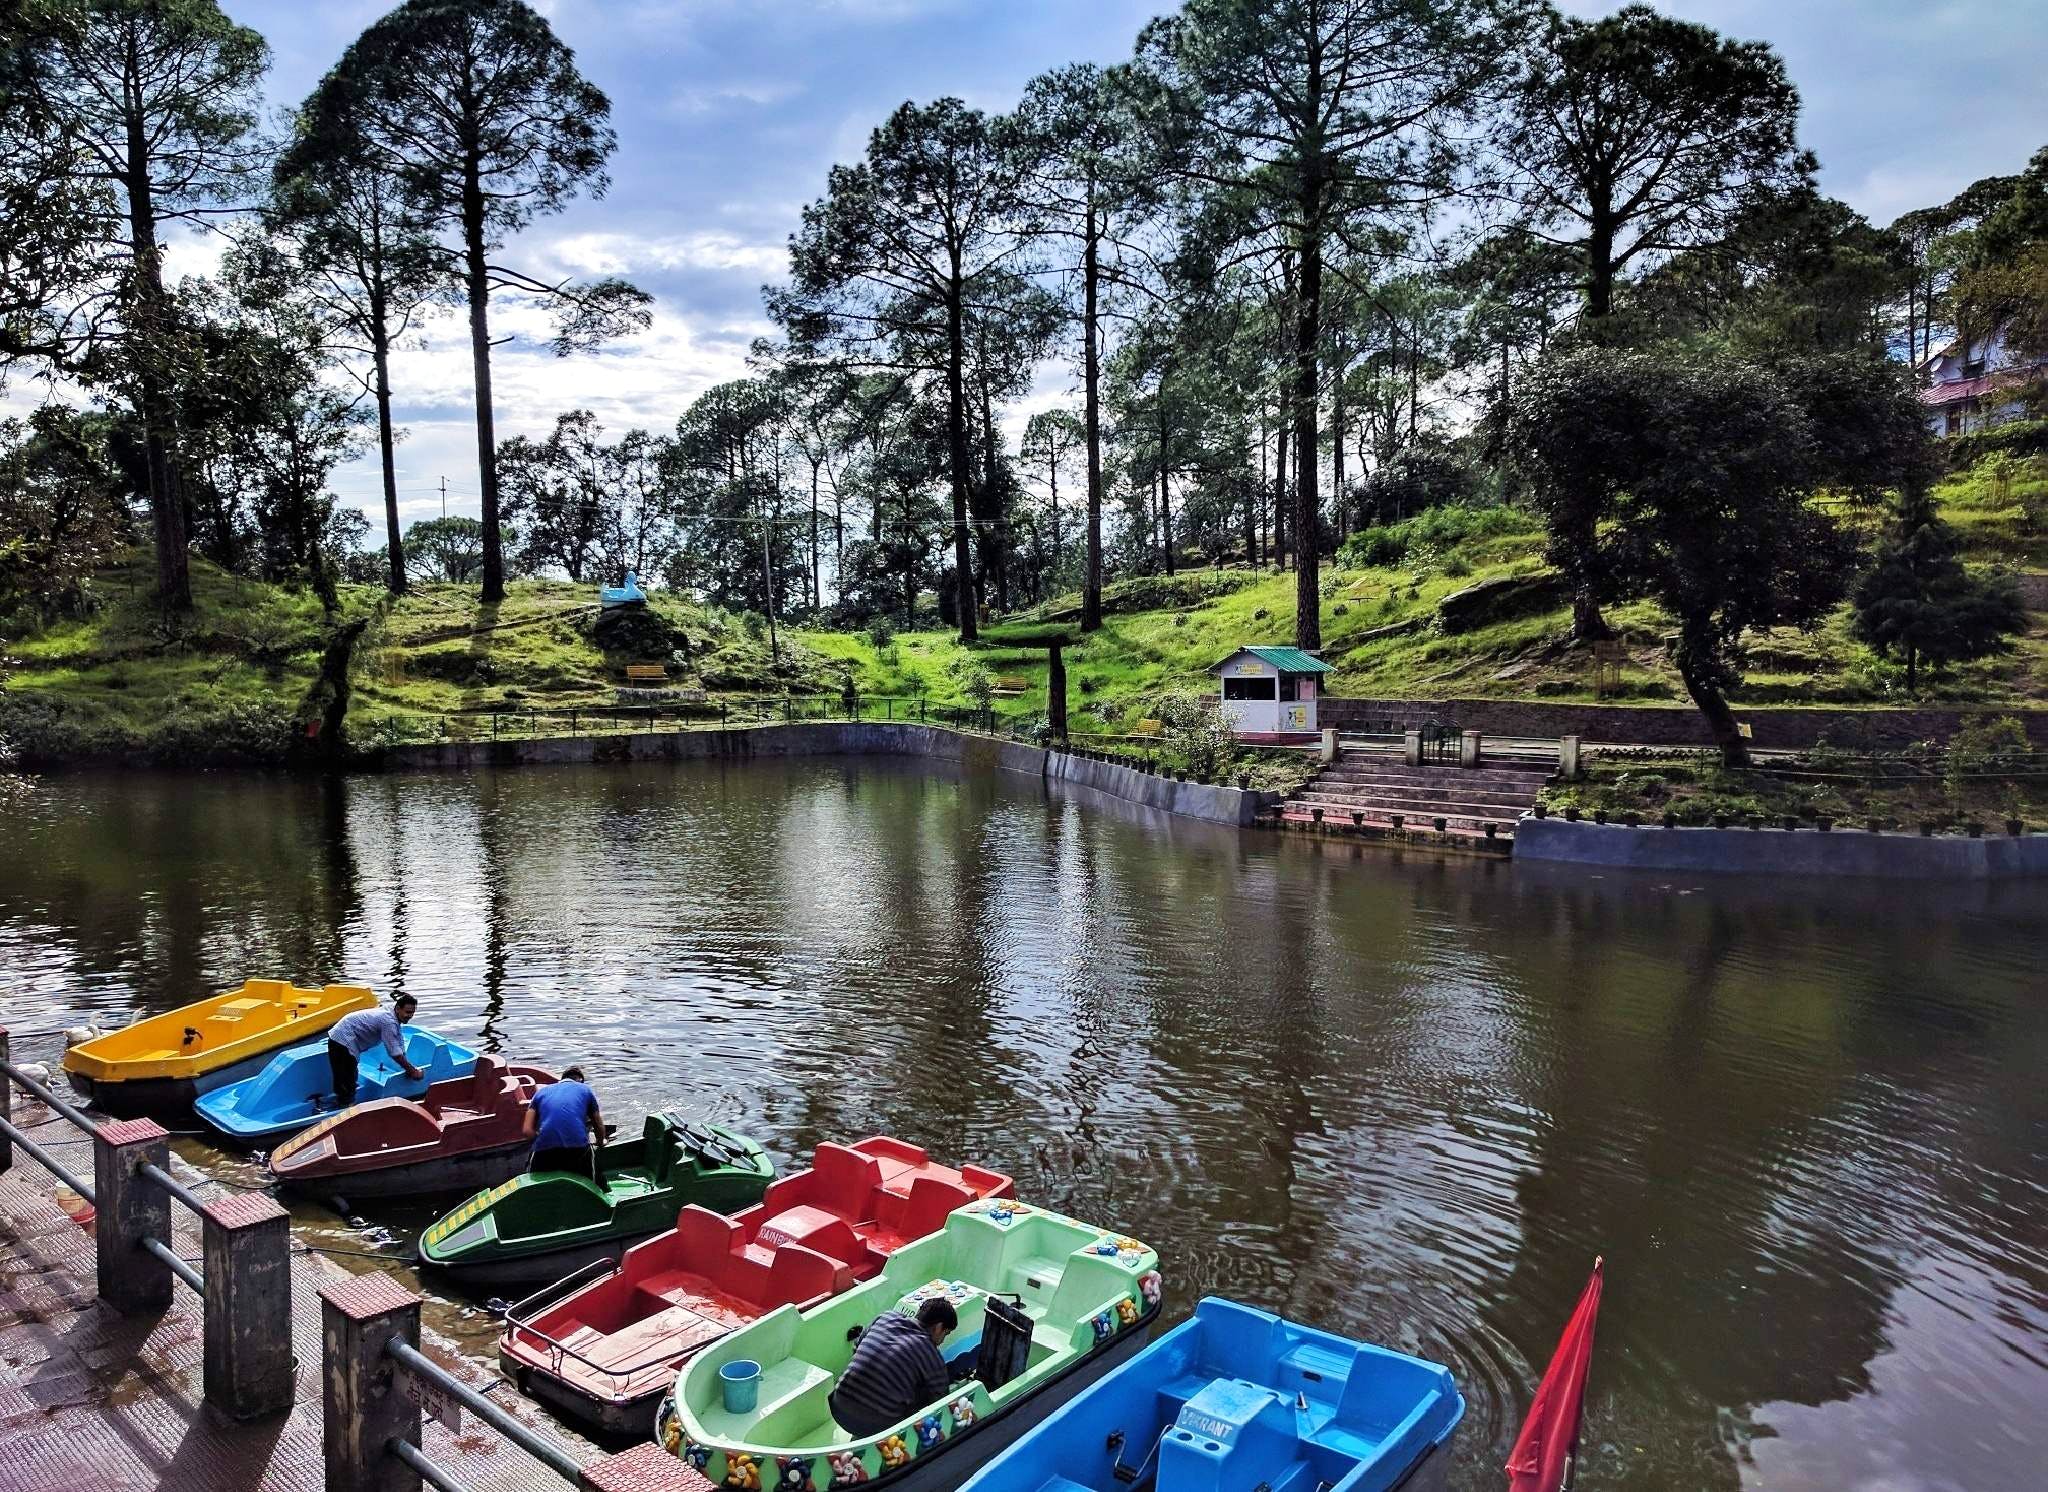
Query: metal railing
x=178, y=1192
x=534, y=723
x=519, y=1326
x=551, y=1455
x=9, y=1073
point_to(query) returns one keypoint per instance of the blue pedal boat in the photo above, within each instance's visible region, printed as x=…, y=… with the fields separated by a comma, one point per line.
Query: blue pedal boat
x=1236, y=1399
x=280, y=1100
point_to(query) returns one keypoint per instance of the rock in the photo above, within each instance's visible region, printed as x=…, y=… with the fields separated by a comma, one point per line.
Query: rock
x=1500, y=600
x=637, y=634
x=1392, y=629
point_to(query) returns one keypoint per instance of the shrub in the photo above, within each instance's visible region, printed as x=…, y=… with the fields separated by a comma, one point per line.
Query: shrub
x=1438, y=528
x=1196, y=734
x=880, y=633
x=1982, y=747
x=2020, y=437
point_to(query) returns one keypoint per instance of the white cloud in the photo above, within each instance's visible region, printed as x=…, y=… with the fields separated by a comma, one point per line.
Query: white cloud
x=645, y=380
x=627, y=254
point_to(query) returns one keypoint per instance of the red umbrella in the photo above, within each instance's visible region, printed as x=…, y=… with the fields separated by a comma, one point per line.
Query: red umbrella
x=1542, y=1458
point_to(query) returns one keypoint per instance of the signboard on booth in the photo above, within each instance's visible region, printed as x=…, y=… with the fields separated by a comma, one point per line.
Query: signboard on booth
x=1294, y=717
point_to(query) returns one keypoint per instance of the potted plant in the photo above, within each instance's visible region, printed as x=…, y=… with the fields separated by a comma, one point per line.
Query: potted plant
x=1670, y=819
x=1599, y=815
x=1874, y=824
x=1823, y=823
x=2015, y=827
x=1976, y=829
x=1721, y=821
x=1571, y=814
x=1543, y=810
x=1244, y=782
x=1927, y=828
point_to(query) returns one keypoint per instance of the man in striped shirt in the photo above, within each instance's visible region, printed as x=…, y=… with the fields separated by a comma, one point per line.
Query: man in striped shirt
x=896, y=1369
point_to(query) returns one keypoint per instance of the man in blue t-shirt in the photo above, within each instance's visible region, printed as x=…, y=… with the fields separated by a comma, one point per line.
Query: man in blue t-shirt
x=564, y=1123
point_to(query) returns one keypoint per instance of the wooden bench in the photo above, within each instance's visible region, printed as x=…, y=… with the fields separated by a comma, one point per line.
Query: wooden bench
x=646, y=673
x=1010, y=685
x=1149, y=728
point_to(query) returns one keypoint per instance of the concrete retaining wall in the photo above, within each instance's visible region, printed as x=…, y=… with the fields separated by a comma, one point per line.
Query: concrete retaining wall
x=1220, y=805
x=1839, y=852
x=1194, y=800
x=1673, y=725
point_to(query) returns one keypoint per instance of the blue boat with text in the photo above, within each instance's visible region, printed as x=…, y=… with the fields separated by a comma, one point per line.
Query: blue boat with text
x=1236, y=1399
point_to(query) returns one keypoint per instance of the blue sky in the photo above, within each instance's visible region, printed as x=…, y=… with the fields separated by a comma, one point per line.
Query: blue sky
x=729, y=115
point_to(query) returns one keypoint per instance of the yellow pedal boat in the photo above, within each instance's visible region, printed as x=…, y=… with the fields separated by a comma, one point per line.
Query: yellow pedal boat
x=160, y=1065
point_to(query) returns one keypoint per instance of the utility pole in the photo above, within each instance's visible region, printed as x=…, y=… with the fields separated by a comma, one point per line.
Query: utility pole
x=444, y=497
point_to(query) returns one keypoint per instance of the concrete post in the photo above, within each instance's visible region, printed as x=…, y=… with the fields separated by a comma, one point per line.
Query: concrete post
x=360, y=1405
x=249, y=1368
x=1568, y=757
x=131, y=1208
x=644, y=1468
x=1468, y=749
x=6, y=1104
x=1411, y=748
x=1329, y=752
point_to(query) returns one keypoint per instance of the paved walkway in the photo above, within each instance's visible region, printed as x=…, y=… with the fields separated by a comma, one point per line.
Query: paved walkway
x=92, y=1401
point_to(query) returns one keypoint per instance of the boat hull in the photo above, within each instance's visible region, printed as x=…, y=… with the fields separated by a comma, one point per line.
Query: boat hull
x=941, y=1473
x=531, y=1271
x=447, y=1175
x=160, y=1098
x=610, y=1419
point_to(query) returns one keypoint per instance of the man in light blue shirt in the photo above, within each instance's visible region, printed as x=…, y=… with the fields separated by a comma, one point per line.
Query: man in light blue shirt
x=352, y=1035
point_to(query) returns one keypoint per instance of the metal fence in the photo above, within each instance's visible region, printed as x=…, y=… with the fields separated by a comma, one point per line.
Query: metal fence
x=245, y=1285
x=535, y=723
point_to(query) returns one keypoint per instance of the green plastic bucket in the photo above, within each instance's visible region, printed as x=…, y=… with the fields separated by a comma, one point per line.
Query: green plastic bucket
x=740, y=1380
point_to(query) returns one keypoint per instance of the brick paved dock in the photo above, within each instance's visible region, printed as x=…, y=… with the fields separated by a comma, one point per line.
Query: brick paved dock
x=93, y=1401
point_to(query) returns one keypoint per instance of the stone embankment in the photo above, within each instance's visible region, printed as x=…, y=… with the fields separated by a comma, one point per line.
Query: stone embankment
x=1214, y=803
x=1803, y=852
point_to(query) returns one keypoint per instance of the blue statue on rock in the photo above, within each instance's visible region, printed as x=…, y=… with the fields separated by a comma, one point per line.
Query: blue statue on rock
x=612, y=597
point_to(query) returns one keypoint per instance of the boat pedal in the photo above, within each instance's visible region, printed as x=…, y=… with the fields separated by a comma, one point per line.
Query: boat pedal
x=1128, y=1474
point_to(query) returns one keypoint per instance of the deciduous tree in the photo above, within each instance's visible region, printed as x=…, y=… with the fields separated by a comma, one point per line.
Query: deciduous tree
x=1694, y=472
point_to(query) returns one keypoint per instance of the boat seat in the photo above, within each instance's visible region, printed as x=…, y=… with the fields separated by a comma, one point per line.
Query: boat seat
x=782, y=1384
x=1037, y=1277
x=676, y=1330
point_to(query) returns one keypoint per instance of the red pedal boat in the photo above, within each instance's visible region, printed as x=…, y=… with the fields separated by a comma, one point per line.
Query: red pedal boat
x=461, y=1135
x=602, y=1346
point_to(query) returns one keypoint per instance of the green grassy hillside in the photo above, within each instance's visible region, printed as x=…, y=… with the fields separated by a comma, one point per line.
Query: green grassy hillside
x=231, y=681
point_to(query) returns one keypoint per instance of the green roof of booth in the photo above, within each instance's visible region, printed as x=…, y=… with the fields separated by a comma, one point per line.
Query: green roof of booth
x=1286, y=660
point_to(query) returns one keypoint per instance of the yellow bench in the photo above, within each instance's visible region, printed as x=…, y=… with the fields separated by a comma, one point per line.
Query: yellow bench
x=1149, y=728
x=1010, y=684
x=646, y=673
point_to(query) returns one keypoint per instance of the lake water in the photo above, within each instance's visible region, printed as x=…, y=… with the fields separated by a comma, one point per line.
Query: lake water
x=1400, y=1096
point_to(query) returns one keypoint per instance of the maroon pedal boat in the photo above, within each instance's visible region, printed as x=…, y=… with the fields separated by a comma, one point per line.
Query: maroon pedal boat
x=461, y=1135
x=602, y=1346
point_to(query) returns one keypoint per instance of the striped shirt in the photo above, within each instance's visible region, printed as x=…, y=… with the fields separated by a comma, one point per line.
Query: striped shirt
x=895, y=1371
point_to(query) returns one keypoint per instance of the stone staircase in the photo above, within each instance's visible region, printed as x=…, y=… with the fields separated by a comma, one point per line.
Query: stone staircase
x=1381, y=795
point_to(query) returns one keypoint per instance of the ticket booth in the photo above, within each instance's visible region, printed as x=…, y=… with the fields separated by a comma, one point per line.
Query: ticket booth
x=1270, y=691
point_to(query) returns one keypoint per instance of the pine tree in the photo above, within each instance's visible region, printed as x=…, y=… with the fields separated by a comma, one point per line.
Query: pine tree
x=1919, y=604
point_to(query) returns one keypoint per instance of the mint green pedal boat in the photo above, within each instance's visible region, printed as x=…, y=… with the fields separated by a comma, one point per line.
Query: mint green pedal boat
x=1088, y=1299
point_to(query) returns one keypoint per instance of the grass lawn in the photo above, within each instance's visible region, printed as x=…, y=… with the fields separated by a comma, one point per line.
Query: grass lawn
x=125, y=683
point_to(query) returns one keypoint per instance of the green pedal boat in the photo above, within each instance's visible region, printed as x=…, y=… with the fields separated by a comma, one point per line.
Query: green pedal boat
x=532, y=1230
x=1046, y=1306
